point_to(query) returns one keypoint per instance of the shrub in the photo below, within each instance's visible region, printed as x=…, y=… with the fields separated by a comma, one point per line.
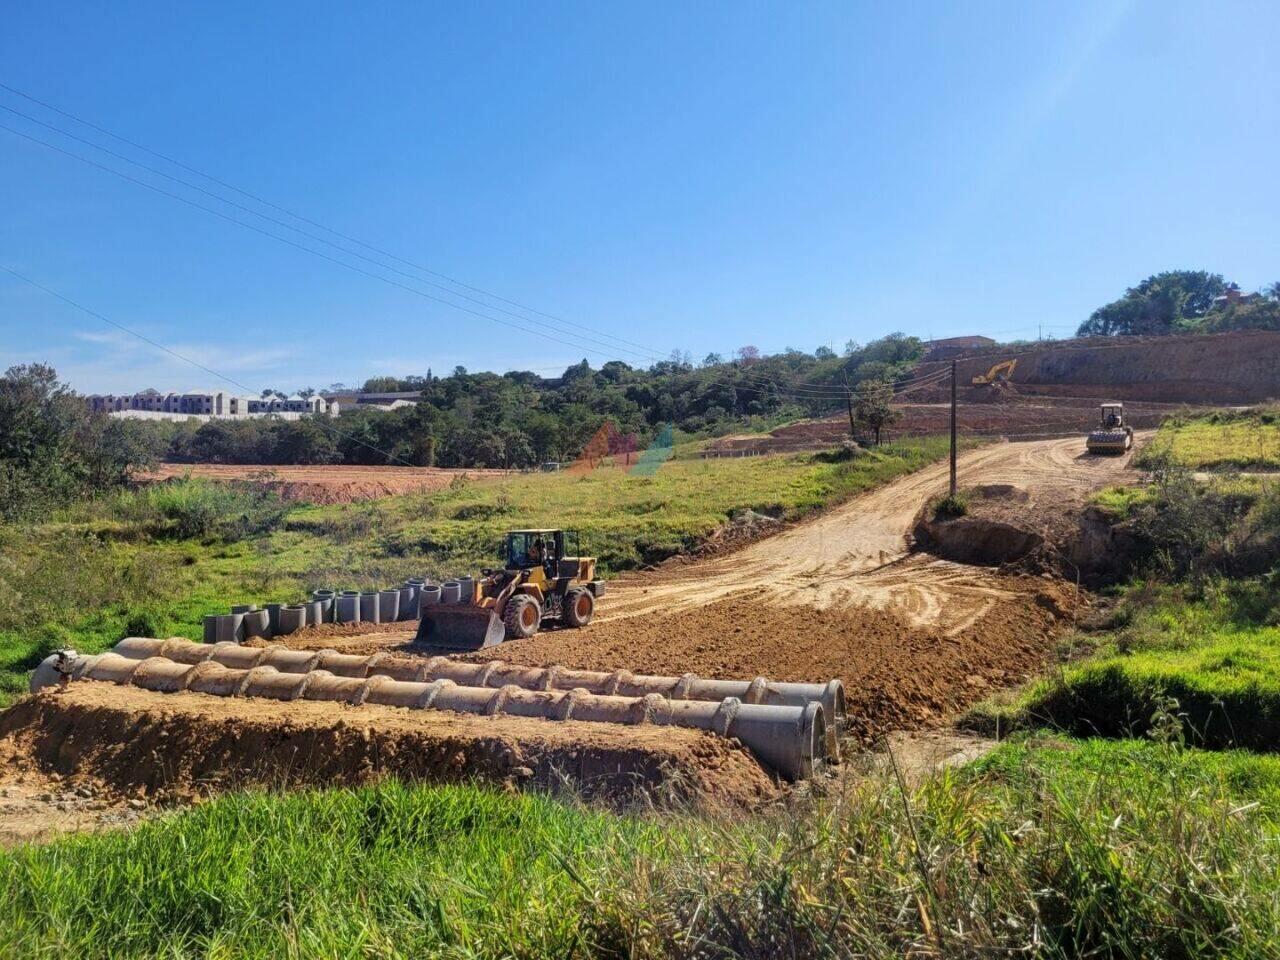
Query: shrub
x=198, y=508
x=952, y=505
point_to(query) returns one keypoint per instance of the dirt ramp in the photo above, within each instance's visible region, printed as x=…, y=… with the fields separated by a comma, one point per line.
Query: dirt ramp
x=183, y=746
x=897, y=674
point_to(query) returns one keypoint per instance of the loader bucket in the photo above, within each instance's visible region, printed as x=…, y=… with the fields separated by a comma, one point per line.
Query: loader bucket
x=460, y=627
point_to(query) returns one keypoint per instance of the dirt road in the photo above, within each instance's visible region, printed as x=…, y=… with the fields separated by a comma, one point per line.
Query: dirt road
x=857, y=554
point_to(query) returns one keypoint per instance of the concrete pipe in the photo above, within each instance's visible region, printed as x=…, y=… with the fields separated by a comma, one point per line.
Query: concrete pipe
x=230, y=628
x=388, y=606
x=273, y=615
x=244, y=608
x=496, y=674
x=369, y=607
x=348, y=607
x=257, y=623
x=429, y=596
x=414, y=610
x=326, y=598
x=211, y=629
x=407, y=606
x=466, y=589
x=450, y=591
x=292, y=618
x=790, y=739
x=315, y=612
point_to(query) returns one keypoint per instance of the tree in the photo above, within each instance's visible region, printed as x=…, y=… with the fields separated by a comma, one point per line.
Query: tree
x=872, y=406
x=380, y=385
x=54, y=450
x=1158, y=305
x=1272, y=291
x=747, y=355
x=712, y=359
x=824, y=353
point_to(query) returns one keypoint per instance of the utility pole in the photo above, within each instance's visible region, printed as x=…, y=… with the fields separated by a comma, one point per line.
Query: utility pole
x=953, y=428
x=848, y=396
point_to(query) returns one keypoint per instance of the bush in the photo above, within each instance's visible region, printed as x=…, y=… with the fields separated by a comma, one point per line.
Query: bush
x=950, y=506
x=197, y=508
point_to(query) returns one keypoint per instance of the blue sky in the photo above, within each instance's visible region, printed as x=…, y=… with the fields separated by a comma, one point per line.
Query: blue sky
x=682, y=176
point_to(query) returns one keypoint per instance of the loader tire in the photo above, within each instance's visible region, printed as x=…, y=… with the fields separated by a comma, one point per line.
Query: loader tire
x=522, y=617
x=579, y=606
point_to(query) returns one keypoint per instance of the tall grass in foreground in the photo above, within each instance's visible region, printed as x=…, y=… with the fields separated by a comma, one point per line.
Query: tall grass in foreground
x=1046, y=849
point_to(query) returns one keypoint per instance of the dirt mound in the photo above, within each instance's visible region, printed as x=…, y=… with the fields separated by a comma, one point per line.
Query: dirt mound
x=179, y=747
x=325, y=484
x=979, y=540
x=897, y=675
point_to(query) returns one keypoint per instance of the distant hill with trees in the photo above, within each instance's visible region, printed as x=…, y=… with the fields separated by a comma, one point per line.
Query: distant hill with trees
x=1185, y=301
x=520, y=419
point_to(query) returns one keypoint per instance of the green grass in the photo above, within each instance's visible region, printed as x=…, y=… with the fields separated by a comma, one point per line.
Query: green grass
x=1054, y=848
x=1205, y=668
x=156, y=561
x=1246, y=440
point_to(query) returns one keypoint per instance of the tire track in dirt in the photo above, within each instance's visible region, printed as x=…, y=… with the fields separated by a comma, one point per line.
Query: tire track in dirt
x=858, y=552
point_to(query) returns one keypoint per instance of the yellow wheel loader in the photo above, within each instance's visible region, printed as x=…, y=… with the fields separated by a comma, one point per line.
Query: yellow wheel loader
x=542, y=579
x=1113, y=434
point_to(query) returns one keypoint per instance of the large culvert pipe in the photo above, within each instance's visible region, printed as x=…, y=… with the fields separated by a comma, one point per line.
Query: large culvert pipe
x=348, y=607
x=369, y=607
x=790, y=739
x=388, y=606
x=495, y=673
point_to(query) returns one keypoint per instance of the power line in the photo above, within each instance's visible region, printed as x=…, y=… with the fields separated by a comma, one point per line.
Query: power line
x=195, y=363
x=817, y=391
x=281, y=209
x=814, y=392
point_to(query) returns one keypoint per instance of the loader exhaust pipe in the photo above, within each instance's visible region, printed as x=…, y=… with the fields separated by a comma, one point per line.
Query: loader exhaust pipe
x=791, y=740
x=496, y=673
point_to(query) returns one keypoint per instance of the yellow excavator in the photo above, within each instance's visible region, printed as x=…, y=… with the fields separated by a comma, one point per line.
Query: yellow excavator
x=1001, y=371
x=543, y=578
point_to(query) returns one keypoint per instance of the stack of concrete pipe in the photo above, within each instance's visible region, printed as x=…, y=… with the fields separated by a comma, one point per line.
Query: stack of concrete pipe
x=325, y=606
x=791, y=727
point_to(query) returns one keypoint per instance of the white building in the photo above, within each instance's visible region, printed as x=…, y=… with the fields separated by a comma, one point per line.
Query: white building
x=216, y=404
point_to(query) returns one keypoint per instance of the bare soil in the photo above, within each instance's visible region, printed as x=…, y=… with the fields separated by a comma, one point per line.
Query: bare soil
x=1003, y=411
x=123, y=742
x=325, y=484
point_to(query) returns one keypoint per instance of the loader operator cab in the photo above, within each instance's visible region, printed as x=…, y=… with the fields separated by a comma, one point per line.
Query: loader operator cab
x=526, y=549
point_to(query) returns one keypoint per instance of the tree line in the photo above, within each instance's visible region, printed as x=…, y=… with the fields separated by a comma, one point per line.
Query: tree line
x=1185, y=301
x=519, y=419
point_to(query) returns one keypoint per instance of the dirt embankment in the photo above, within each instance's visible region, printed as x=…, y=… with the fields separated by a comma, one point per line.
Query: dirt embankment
x=180, y=747
x=325, y=484
x=1221, y=368
x=1001, y=411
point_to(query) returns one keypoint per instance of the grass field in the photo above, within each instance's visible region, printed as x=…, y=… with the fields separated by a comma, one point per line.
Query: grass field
x=1245, y=440
x=155, y=561
x=1056, y=847
x=1202, y=665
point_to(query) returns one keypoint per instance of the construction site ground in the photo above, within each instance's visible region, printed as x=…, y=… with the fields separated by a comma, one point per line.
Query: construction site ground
x=1000, y=411
x=914, y=639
